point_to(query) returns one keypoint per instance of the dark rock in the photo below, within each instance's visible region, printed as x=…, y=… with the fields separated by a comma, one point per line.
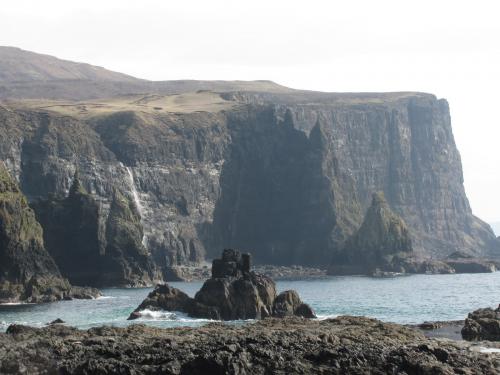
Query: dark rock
x=57, y=321
x=232, y=293
x=471, y=265
x=288, y=303
x=379, y=245
x=247, y=297
x=163, y=297
x=289, y=174
x=27, y=271
x=91, y=250
x=482, y=324
x=345, y=345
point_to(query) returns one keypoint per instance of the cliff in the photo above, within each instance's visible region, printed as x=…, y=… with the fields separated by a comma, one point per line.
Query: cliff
x=27, y=271
x=285, y=174
x=283, y=177
x=91, y=249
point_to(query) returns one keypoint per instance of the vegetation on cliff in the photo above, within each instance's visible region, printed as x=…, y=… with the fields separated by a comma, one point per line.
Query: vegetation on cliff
x=27, y=271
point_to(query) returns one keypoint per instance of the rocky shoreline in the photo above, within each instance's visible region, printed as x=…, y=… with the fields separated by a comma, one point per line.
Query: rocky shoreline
x=284, y=346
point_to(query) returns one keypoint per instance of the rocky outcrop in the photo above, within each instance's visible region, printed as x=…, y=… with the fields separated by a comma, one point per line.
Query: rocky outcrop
x=27, y=271
x=382, y=242
x=482, y=324
x=345, y=345
x=466, y=263
x=90, y=249
x=233, y=292
x=288, y=303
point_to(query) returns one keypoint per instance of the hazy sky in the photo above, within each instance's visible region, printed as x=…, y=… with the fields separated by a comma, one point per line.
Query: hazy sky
x=449, y=48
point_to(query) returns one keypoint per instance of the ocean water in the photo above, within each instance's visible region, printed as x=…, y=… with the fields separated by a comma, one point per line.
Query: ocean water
x=405, y=299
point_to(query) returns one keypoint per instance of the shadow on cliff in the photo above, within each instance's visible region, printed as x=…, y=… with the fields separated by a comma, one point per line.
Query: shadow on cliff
x=276, y=198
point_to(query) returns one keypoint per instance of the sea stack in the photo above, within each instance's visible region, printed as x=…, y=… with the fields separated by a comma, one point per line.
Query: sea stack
x=233, y=292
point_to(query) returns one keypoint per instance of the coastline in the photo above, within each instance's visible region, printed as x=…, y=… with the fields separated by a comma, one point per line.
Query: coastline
x=344, y=344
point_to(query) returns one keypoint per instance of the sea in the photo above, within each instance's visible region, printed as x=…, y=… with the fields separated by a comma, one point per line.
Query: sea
x=403, y=299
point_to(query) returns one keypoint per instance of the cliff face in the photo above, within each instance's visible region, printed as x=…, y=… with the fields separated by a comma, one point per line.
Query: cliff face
x=91, y=251
x=27, y=271
x=382, y=243
x=285, y=176
x=382, y=234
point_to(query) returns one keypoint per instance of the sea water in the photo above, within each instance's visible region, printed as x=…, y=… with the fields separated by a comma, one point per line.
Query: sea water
x=405, y=299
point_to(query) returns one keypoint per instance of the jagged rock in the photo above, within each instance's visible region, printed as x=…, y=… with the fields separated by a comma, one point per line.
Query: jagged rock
x=27, y=271
x=233, y=292
x=344, y=345
x=90, y=250
x=288, y=303
x=382, y=242
x=482, y=324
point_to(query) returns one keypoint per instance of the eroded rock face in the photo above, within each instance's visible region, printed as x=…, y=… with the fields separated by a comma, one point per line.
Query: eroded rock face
x=482, y=324
x=91, y=249
x=27, y=271
x=466, y=263
x=288, y=175
x=382, y=242
x=233, y=292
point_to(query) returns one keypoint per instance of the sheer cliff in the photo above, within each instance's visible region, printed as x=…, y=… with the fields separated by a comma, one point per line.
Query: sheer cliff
x=27, y=271
x=287, y=176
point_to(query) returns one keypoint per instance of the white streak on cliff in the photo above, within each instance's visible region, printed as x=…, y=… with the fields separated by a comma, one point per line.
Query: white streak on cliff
x=137, y=201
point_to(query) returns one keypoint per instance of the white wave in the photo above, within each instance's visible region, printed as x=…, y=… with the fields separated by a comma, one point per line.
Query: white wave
x=15, y=303
x=158, y=315
x=483, y=349
x=324, y=317
x=106, y=297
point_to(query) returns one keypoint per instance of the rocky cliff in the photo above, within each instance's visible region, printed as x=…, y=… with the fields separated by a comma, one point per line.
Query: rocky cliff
x=285, y=174
x=288, y=177
x=90, y=249
x=382, y=240
x=27, y=271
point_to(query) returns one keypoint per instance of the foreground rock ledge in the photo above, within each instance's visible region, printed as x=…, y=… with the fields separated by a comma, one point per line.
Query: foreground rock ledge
x=353, y=345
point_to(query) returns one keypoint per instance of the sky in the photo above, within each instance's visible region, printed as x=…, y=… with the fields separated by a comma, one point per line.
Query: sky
x=445, y=47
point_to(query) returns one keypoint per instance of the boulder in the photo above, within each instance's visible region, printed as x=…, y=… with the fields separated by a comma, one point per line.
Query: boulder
x=247, y=297
x=165, y=297
x=233, y=292
x=482, y=324
x=288, y=303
